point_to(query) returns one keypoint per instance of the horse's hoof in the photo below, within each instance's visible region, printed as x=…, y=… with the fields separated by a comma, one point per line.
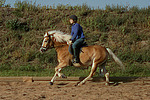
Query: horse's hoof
x=107, y=83
x=77, y=84
x=80, y=83
x=51, y=83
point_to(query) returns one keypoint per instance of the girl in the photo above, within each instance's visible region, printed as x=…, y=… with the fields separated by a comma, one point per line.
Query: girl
x=77, y=37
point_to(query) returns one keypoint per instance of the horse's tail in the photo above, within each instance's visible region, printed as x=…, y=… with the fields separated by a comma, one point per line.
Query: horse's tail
x=116, y=59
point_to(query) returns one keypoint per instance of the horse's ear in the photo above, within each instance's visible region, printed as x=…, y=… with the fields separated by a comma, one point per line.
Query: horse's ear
x=45, y=33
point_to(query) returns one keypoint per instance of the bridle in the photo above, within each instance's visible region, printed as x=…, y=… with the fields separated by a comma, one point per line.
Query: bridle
x=45, y=47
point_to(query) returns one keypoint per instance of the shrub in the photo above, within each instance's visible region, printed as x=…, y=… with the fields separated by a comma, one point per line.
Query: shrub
x=61, y=7
x=5, y=66
x=135, y=37
x=136, y=69
x=1, y=20
x=30, y=56
x=28, y=68
x=26, y=6
x=118, y=21
x=101, y=22
x=134, y=9
x=84, y=10
x=18, y=13
x=118, y=9
x=149, y=21
x=104, y=37
x=134, y=56
x=12, y=24
x=48, y=57
x=124, y=30
x=15, y=24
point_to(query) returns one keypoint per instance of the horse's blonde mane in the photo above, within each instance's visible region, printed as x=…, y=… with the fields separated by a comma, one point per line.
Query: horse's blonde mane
x=59, y=36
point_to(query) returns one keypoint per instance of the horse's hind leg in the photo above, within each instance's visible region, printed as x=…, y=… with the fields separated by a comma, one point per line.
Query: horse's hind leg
x=93, y=69
x=103, y=72
x=102, y=69
x=107, y=78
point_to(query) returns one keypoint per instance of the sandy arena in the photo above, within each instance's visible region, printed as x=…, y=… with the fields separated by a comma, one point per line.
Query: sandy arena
x=135, y=90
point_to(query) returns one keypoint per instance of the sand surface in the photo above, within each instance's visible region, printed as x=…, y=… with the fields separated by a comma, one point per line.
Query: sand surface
x=138, y=90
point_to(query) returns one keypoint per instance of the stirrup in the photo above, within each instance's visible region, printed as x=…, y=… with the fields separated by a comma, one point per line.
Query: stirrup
x=76, y=61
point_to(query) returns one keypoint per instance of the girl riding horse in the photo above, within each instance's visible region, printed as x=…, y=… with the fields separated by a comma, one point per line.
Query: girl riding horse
x=77, y=38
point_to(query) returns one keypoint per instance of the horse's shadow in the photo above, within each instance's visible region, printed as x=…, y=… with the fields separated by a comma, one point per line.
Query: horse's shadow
x=62, y=84
x=115, y=81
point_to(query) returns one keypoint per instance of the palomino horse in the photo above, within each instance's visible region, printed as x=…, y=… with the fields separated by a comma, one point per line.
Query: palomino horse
x=90, y=56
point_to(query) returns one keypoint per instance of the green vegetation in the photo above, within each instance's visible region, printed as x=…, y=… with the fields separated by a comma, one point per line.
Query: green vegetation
x=125, y=30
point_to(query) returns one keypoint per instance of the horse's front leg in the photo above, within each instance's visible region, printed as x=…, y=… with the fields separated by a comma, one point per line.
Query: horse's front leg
x=61, y=75
x=52, y=80
x=57, y=73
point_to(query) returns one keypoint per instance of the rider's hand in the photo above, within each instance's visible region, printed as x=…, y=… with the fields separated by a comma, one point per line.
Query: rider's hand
x=69, y=42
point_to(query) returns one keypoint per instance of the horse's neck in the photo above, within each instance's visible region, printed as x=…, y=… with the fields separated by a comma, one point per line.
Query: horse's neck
x=61, y=48
x=59, y=45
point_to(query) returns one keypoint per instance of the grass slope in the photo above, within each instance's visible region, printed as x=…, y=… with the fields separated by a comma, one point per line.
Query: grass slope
x=125, y=30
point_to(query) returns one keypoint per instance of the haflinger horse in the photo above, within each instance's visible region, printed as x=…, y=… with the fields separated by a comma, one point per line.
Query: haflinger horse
x=94, y=55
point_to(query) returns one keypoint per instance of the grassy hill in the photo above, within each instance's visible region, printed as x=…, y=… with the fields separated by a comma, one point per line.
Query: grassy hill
x=125, y=30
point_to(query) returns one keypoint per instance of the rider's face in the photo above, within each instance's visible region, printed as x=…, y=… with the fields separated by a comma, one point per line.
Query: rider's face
x=71, y=21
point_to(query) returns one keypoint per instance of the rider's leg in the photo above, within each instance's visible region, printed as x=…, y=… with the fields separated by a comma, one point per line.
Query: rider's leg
x=76, y=49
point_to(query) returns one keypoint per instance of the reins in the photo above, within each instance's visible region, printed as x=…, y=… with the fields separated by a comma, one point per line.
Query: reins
x=53, y=46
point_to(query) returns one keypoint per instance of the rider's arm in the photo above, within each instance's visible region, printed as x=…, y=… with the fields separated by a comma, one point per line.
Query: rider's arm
x=74, y=32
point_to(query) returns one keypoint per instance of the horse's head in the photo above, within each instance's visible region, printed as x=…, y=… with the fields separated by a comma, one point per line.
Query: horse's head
x=47, y=43
x=56, y=38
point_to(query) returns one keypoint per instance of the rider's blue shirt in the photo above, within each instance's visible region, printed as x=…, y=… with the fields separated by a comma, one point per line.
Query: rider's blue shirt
x=76, y=32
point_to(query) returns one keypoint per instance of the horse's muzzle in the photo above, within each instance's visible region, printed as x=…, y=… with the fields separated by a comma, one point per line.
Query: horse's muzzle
x=42, y=49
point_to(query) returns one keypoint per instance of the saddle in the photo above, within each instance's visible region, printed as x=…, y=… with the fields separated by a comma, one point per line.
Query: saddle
x=80, y=48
